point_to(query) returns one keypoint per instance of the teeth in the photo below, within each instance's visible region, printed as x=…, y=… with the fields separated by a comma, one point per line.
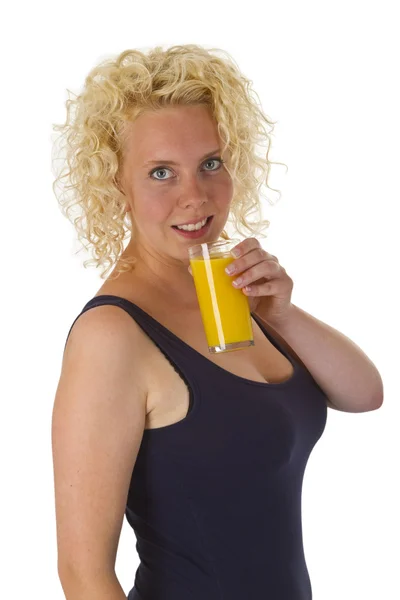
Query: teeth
x=194, y=226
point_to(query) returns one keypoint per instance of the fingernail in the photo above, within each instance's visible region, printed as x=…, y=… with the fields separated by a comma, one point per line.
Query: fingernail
x=230, y=269
x=235, y=252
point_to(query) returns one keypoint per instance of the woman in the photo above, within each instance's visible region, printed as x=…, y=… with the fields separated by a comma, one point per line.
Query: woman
x=204, y=453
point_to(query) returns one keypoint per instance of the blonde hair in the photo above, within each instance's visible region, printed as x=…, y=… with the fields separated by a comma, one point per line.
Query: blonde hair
x=115, y=93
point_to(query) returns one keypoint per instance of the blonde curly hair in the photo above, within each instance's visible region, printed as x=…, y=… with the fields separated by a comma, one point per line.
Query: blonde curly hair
x=115, y=93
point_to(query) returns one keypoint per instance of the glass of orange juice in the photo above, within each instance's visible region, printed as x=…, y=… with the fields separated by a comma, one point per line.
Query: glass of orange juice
x=225, y=310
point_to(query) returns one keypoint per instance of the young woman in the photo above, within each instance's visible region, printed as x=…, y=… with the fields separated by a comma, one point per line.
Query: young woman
x=204, y=453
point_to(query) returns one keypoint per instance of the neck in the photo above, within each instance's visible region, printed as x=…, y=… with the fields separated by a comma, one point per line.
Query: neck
x=169, y=279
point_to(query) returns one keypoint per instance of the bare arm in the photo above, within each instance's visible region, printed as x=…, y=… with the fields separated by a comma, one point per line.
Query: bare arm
x=102, y=588
x=97, y=427
x=348, y=377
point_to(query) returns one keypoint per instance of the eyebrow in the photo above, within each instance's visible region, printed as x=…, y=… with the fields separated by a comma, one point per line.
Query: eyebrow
x=172, y=162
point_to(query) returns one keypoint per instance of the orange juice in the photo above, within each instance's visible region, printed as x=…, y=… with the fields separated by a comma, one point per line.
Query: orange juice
x=224, y=309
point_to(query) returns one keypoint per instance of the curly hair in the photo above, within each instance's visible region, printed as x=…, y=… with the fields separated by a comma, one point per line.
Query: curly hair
x=115, y=93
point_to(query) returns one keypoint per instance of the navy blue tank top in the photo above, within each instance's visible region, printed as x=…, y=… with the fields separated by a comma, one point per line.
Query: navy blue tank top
x=215, y=499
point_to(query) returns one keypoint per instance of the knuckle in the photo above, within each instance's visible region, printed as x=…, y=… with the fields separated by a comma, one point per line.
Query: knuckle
x=254, y=272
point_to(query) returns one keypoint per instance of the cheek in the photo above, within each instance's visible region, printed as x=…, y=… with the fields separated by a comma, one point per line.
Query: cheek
x=153, y=208
x=223, y=195
x=158, y=212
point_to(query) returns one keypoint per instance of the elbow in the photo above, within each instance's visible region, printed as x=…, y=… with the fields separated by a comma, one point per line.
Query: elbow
x=378, y=402
x=375, y=403
x=378, y=396
x=94, y=584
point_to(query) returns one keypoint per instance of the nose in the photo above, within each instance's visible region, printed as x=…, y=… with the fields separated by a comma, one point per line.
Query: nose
x=192, y=194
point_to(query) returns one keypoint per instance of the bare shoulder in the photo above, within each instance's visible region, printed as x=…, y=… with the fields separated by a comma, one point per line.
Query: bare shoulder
x=111, y=329
x=97, y=426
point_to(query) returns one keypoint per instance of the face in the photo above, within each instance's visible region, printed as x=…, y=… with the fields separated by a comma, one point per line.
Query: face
x=172, y=174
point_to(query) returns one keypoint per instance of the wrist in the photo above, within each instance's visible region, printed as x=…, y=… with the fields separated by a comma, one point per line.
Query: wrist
x=283, y=322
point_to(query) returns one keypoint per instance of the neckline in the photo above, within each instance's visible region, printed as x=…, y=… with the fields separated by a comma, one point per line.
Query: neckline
x=195, y=353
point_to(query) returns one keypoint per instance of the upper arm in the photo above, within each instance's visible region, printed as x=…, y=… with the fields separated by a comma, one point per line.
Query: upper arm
x=290, y=351
x=97, y=426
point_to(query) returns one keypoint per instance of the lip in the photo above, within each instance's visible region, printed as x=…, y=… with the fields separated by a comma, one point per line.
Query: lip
x=193, y=235
x=193, y=221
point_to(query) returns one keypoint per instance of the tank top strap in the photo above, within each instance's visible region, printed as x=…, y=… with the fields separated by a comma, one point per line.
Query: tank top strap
x=182, y=357
x=165, y=339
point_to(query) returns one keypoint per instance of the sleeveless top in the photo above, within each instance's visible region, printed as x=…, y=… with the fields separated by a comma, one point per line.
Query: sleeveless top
x=215, y=499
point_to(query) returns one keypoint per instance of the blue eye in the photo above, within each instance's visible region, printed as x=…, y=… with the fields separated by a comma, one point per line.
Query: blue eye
x=214, y=160
x=161, y=168
x=157, y=170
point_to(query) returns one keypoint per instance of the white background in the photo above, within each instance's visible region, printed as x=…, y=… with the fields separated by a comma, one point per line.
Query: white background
x=328, y=73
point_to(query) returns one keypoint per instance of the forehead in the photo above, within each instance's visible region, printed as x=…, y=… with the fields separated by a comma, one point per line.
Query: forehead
x=185, y=130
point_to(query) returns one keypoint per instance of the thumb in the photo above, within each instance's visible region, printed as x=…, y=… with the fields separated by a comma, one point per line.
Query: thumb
x=190, y=270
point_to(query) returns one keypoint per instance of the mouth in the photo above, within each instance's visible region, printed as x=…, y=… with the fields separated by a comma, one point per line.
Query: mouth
x=195, y=233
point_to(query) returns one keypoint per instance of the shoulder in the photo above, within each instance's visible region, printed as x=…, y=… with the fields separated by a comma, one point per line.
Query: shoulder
x=110, y=335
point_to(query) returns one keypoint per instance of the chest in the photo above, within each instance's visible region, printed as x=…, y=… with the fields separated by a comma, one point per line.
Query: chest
x=168, y=394
x=168, y=397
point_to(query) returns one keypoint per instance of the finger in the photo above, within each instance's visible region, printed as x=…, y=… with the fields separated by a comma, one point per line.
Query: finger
x=248, y=260
x=246, y=246
x=279, y=287
x=269, y=288
x=266, y=269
